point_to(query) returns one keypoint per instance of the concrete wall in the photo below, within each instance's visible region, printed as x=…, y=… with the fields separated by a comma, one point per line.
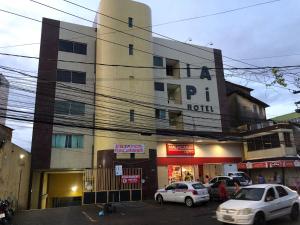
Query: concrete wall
x=4, y=90
x=210, y=121
x=67, y=157
x=14, y=174
x=128, y=83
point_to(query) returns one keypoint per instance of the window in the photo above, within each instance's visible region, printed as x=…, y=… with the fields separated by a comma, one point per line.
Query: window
x=173, y=68
x=64, y=76
x=263, y=142
x=132, y=155
x=169, y=70
x=255, y=109
x=182, y=186
x=78, y=77
x=188, y=70
x=130, y=22
x=67, y=141
x=80, y=48
x=287, y=139
x=130, y=49
x=270, y=196
x=65, y=46
x=160, y=114
x=131, y=115
x=159, y=86
x=158, y=61
x=171, y=187
x=281, y=191
x=73, y=47
x=71, y=76
x=69, y=107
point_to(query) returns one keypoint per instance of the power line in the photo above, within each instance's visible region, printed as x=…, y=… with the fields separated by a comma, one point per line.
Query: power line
x=153, y=67
x=164, y=36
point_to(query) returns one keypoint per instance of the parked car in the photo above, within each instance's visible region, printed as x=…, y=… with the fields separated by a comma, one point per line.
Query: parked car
x=216, y=179
x=241, y=174
x=189, y=193
x=257, y=204
x=229, y=185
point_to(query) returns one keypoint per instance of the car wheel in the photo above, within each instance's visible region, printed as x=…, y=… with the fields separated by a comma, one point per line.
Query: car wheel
x=159, y=199
x=259, y=219
x=189, y=202
x=295, y=213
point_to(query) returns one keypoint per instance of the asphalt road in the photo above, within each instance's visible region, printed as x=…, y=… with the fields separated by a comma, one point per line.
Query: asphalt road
x=132, y=213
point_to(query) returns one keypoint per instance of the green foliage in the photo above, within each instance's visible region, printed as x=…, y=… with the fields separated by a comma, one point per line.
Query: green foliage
x=278, y=78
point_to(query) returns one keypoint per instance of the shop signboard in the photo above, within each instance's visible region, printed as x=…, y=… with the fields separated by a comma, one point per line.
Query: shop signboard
x=181, y=149
x=297, y=163
x=274, y=164
x=129, y=148
x=288, y=164
x=259, y=165
x=131, y=179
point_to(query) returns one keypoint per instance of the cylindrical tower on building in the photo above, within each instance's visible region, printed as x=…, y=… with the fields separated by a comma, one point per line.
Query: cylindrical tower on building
x=118, y=88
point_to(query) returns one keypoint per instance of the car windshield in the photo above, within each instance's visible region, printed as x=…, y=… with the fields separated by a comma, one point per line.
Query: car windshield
x=198, y=186
x=251, y=194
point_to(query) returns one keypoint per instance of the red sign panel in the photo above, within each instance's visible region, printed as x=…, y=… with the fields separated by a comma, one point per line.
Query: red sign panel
x=180, y=149
x=270, y=164
x=273, y=164
x=131, y=179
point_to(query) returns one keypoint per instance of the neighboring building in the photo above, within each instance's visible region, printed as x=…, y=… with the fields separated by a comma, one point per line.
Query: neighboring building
x=14, y=170
x=62, y=141
x=271, y=150
x=4, y=89
x=244, y=109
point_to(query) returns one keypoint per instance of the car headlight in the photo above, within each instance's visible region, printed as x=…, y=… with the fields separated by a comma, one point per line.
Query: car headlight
x=246, y=211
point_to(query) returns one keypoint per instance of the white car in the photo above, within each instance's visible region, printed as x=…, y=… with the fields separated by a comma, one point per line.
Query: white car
x=257, y=204
x=241, y=174
x=216, y=179
x=189, y=193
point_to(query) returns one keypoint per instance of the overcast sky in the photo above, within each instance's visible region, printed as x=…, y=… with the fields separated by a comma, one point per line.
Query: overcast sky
x=263, y=31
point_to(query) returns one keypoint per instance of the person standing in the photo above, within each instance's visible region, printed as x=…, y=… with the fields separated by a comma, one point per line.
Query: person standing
x=261, y=179
x=206, y=179
x=222, y=191
x=237, y=187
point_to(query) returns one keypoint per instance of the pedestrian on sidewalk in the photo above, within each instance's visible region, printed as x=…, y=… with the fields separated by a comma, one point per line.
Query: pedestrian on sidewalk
x=223, y=192
x=261, y=179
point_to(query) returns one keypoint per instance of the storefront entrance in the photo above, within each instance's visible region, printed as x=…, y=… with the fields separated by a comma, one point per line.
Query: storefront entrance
x=182, y=173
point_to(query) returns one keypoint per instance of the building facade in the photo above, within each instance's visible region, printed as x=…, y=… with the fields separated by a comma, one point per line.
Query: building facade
x=14, y=170
x=4, y=90
x=113, y=95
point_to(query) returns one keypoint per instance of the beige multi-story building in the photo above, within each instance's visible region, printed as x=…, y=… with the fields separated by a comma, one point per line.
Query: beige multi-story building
x=113, y=94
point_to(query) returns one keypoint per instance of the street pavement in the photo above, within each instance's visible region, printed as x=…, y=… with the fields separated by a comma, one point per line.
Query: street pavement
x=129, y=213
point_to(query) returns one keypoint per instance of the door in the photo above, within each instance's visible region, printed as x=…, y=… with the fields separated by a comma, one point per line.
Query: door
x=285, y=202
x=169, y=195
x=181, y=192
x=271, y=204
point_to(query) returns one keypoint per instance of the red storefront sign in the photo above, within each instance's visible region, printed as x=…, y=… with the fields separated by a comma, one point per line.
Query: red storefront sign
x=273, y=164
x=180, y=149
x=270, y=164
x=131, y=179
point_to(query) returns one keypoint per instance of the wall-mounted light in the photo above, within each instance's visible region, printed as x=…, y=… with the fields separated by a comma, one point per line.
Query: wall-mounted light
x=174, y=140
x=74, y=188
x=22, y=156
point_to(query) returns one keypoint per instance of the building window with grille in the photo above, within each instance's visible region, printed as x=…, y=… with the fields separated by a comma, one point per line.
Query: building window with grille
x=131, y=115
x=72, y=47
x=160, y=113
x=67, y=141
x=188, y=70
x=69, y=107
x=69, y=76
x=130, y=49
x=130, y=22
x=158, y=61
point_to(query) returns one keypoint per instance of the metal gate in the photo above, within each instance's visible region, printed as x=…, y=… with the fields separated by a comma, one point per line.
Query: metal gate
x=103, y=186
